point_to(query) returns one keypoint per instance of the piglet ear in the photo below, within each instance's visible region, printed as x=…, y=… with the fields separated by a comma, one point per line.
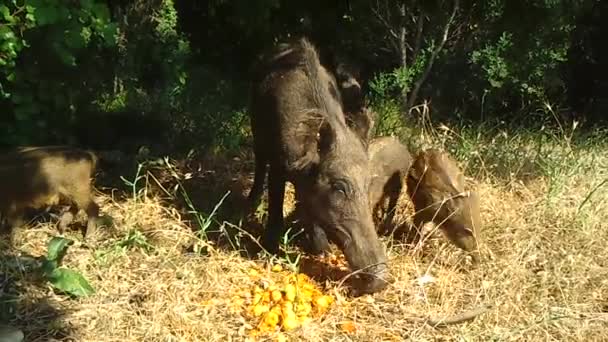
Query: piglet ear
x=418, y=167
x=362, y=123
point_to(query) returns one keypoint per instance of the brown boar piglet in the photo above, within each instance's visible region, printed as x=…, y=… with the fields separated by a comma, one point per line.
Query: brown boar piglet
x=435, y=185
x=34, y=177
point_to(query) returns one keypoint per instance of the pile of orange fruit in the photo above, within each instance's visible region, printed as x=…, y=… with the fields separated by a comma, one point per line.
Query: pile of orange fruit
x=285, y=305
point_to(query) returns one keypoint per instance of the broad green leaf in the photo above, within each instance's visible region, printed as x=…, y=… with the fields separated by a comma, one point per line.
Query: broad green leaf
x=6, y=33
x=6, y=13
x=34, y=3
x=101, y=11
x=109, y=34
x=66, y=56
x=48, y=267
x=70, y=282
x=57, y=248
x=85, y=34
x=86, y=4
x=74, y=39
x=46, y=15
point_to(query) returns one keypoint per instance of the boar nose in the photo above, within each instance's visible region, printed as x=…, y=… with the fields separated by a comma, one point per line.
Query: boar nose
x=375, y=279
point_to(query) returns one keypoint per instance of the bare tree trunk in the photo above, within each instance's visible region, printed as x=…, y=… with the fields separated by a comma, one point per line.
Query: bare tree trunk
x=418, y=39
x=413, y=96
x=403, y=43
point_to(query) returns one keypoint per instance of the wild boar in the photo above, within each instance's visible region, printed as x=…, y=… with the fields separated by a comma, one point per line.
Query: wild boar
x=301, y=135
x=390, y=161
x=350, y=94
x=32, y=177
x=436, y=187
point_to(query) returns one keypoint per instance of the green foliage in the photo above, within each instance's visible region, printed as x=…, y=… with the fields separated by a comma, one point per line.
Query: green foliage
x=188, y=63
x=40, y=40
x=70, y=281
x=389, y=118
x=62, y=278
x=134, y=239
x=523, y=45
x=491, y=59
x=57, y=248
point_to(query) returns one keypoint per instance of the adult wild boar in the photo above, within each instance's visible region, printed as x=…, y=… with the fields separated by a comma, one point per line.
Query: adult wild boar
x=300, y=135
x=32, y=177
x=435, y=184
x=390, y=161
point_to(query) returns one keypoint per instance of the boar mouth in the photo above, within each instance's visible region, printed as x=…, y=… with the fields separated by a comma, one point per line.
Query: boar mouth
x=369, y=266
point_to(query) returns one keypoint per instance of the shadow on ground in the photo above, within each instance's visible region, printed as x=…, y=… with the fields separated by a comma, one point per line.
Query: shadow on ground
x=210, y=191
x=24, y=300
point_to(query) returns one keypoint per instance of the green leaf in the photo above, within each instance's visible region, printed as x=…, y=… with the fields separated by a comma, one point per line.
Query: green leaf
x=34, y=3
x=86, y=4
x=71, y=282
x=46, y=15
x=74, y=40
x=101, y=11
x=57, y=247
x=48, y=267
x=6, y=33
x=66, y=56
x=6, y=13
x=109, y=34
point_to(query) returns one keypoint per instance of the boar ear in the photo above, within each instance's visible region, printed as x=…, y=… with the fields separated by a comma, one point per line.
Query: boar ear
x=362, y=123
x=418, y=167
x=326, y=138
x=318, y=144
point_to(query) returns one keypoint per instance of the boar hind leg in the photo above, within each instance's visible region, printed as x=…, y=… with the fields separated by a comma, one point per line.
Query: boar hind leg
x=393, y=189
x=14, y=218
x=66, y=218
x=92, y=216
x=258, y=181
x=261, y=162
x=276, y=195
x=85, y=201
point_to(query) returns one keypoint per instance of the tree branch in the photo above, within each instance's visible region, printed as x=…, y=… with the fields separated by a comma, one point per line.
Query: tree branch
x=384, y=21
x=403, y=46
x=418, y=39
x=418, y=84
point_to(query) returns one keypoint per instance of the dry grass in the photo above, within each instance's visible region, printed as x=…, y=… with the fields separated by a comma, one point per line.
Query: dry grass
x=545, y=276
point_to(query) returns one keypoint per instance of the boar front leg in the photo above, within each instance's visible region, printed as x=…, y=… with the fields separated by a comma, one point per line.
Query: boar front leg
x=276, y=195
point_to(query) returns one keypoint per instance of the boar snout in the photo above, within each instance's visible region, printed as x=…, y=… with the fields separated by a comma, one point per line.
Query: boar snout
x=374, y=279
x=365, y=255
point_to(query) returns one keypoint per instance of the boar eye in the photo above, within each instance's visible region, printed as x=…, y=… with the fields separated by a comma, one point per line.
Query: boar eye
x=341, y=186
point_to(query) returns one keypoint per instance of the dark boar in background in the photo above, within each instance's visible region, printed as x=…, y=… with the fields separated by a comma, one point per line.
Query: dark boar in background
x=390, y=161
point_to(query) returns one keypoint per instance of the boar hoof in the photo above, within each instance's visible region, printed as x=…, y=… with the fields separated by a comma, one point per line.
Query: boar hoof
x=90, y=233
x=64, y=221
